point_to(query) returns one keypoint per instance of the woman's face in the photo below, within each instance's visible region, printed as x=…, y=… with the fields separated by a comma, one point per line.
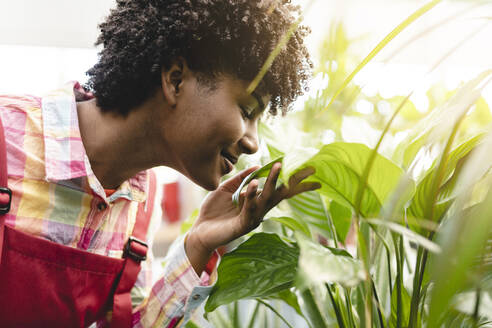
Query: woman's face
x=212, y=127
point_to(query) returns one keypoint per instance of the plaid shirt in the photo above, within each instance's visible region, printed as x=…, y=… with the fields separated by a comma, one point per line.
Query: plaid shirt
x=56, y=196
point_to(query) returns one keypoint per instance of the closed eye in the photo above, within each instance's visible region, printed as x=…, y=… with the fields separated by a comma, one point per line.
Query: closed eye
x=247, y=113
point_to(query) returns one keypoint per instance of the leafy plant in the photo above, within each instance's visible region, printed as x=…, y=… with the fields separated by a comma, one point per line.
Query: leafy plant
x=381, y=243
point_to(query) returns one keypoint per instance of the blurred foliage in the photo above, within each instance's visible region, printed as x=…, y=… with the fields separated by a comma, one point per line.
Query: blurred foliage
x=399, y=234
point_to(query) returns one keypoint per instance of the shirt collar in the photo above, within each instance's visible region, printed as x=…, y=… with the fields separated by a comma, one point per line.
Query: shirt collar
x=65, y=156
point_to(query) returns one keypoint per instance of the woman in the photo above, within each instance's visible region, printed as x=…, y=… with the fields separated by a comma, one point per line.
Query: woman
x=170, y=88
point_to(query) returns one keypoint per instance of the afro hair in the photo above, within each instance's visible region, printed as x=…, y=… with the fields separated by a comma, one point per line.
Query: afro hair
x=140, y=38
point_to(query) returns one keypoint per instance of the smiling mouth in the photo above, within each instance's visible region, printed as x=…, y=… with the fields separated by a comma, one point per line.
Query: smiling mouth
x=229, y=161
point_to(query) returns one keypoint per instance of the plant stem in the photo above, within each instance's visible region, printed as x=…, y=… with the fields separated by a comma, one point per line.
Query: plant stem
x=330, y=222
x=348, y=304
x=235, y=316
x=380, y=315
x=476, y=311
x=399, y=280
x=368, y=305
x=416, y=289
x=341, y=324
x=275, y=311
x=429, y=214
x=312, y=309
x=253, y=316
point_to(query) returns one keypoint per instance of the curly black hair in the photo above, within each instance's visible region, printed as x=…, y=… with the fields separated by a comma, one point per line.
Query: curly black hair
x=235, y=37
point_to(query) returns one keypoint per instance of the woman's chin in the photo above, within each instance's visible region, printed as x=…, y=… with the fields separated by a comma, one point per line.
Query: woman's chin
x=209, y=182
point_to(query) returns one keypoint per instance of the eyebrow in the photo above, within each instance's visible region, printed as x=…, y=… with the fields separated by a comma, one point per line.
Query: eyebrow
x=259, y=100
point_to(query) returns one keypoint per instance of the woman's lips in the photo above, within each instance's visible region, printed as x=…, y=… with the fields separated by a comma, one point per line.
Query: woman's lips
x=228, y=165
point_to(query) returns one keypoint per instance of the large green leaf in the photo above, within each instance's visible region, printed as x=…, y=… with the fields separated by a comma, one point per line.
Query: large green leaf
x=342, y=219
x=261, y=266
x=318, y=264
x=308, y=207
x=339, y=167
x=292, y=224
x=421, y=198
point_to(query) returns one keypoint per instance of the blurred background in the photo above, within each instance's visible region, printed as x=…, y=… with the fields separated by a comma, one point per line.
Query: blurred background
x=44, y=44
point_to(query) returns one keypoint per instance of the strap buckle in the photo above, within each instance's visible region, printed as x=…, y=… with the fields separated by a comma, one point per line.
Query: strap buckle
x=135, y=252
x=5, y=205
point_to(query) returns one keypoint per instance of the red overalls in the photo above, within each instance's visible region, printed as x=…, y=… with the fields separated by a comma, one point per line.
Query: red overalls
x=45, y=284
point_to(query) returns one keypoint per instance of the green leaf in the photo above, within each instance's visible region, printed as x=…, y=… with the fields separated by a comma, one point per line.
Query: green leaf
x=260, y=173
x=339, y=167
x=293, y=224
x=409, y=112
x=191, y=324
x=420, y=200
x=441, y=120
x=318, y=264
x=416, y=238
x=308, y=207
x=342, y=219
x=407, y=150
x=261, y=266
x=289, y=298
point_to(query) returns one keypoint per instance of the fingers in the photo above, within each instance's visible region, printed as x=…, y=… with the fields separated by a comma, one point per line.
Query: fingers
x=270, y=184
x=256, y=204
x=301, y=175
x=234, y=182
x=303, y=187
x=250, y=207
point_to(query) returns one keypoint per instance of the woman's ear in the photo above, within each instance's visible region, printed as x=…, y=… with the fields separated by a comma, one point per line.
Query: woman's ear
x=172, y=80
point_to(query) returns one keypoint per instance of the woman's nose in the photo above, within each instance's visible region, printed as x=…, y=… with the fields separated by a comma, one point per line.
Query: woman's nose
x=249, y=142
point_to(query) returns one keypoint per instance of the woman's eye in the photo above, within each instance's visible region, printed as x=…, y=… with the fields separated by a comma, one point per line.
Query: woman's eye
x=246, y=113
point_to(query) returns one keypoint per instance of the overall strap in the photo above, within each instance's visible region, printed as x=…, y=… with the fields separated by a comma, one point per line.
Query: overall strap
x=135, y=251
x=5, y=193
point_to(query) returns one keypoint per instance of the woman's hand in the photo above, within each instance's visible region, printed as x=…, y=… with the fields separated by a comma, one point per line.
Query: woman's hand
x=221, y=221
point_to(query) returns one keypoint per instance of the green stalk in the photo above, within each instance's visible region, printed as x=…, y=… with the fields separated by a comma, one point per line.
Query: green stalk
x=330, y=222
x=380, y=315
x=220, y=317
x=397, y=30
x=235, y=316
x=348, y=304
x=367, y=169
x=388, y=253
x=312, y=309
x=338, y=314
x=275, y=311
x=476, y=310
x=429, y=214
x=253, y=316
x=399, y=277
x=416, y=288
